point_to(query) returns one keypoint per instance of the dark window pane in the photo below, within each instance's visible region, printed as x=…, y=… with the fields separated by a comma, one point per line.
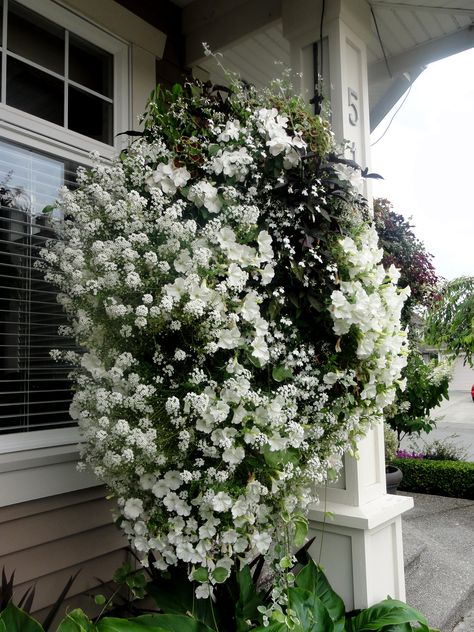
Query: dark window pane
x=90, y=66
x=35, y=92
x=90, y=115
x=35, y=38
x=1, y=21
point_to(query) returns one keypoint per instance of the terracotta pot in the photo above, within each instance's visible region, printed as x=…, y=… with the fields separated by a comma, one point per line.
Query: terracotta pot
x=393, y=476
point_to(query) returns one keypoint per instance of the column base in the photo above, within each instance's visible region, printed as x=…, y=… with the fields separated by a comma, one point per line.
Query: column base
x=361, y=548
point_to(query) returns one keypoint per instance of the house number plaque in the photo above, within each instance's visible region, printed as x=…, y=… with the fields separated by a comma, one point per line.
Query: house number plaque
x=352, y=101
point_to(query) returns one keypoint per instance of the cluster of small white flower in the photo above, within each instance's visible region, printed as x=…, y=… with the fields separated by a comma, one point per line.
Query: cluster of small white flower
x=209, y=419
x=442, y=372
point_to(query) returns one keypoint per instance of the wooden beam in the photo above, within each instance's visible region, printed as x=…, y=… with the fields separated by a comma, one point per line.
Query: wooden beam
x=221, y=24
x=396, y=89
x=423, y=54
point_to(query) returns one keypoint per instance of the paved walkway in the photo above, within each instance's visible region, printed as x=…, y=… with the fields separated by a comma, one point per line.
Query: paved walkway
x=454, y=417
x=438, y=538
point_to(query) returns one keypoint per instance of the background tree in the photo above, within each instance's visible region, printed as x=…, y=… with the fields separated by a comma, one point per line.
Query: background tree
x=451, y=319
x=425, y=384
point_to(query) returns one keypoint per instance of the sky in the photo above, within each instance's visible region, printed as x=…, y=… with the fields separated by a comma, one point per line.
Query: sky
x=427, y=160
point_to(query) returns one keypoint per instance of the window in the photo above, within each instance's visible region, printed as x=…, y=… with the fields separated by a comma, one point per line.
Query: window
x=53, y=74
x=64, y=92
x=34, y=390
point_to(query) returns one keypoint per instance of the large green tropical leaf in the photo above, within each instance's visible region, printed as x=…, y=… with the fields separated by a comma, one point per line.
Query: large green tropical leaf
x=248, y=602
x=76, y=621
x=312, y=613
x=16, y=620
x=386, y=613
x=2, y=626
x=111, y=624
x=169, y=623
x=273, y=627
x=313, y=579
x=174, y=594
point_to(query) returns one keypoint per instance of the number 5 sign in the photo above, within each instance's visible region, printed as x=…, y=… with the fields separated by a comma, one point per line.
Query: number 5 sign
x=352, y=102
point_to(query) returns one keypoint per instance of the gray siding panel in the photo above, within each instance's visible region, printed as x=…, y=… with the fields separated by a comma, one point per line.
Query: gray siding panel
x=46, y=541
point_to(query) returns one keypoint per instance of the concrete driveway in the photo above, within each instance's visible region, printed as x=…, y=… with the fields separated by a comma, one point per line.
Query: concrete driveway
x=454, y=416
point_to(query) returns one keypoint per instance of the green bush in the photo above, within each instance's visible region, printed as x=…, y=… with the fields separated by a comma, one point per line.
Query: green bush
x=443, y=478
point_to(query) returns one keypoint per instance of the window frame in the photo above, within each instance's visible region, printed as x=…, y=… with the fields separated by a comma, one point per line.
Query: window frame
x=45, y=136
x=43, y=462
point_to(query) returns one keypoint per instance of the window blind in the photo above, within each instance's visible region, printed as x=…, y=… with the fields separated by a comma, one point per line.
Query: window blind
x=34, y=390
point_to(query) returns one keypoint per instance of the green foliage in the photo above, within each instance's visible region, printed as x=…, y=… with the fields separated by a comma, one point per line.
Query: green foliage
x=312, y=579
x=313, y=606
x=443, y=478
x=451, y=320
x=386, y=614
x=426, y=386
x=390, y=442
x=134, y=580
x=24, y=605
x=312, y=614
x=153, y=623
x=16, y=620
x=76, y=621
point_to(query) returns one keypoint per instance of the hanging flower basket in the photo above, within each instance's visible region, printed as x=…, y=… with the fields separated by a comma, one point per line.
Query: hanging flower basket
x=240, y=334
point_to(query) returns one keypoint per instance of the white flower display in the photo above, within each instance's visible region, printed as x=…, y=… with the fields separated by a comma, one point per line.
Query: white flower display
x=239, y=332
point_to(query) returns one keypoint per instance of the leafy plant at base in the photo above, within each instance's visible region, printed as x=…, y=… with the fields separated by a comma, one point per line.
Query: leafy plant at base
x=25, y=603
x=313, y=606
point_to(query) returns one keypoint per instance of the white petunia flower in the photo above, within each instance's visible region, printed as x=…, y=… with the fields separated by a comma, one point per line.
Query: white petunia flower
x=133, y=508
x=221, y=502
x=229, y=338
x=261, y=541
x=168, y=177
x=233, y=456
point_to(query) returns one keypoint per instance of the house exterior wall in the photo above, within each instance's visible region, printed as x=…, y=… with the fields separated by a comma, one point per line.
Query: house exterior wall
x=55, y=520
x=45, y=541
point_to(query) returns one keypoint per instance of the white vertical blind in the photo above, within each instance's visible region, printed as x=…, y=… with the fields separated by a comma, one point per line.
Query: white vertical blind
x=34, y=390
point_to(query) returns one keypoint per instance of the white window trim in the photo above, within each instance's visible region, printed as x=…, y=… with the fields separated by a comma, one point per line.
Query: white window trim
x=40, y=464
x=35, y=132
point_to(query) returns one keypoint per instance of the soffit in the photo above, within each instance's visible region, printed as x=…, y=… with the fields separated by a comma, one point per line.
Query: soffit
x=412, y=33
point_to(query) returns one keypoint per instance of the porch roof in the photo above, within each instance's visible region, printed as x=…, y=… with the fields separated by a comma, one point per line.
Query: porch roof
x=411, y=33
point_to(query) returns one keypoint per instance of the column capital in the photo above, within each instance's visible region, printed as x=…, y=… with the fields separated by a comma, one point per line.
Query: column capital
x=301, y=19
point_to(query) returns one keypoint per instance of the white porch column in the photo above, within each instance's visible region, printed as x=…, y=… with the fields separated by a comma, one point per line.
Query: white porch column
x=361, y=545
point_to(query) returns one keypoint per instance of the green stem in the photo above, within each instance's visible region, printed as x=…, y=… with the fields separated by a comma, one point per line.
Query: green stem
x=213, y=615
x=324, y=522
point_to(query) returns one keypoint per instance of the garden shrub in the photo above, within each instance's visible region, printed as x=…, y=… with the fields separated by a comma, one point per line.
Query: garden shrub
x=443, y=478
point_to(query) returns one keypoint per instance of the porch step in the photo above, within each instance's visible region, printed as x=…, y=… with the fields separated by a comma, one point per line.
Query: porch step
x=438, y=535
